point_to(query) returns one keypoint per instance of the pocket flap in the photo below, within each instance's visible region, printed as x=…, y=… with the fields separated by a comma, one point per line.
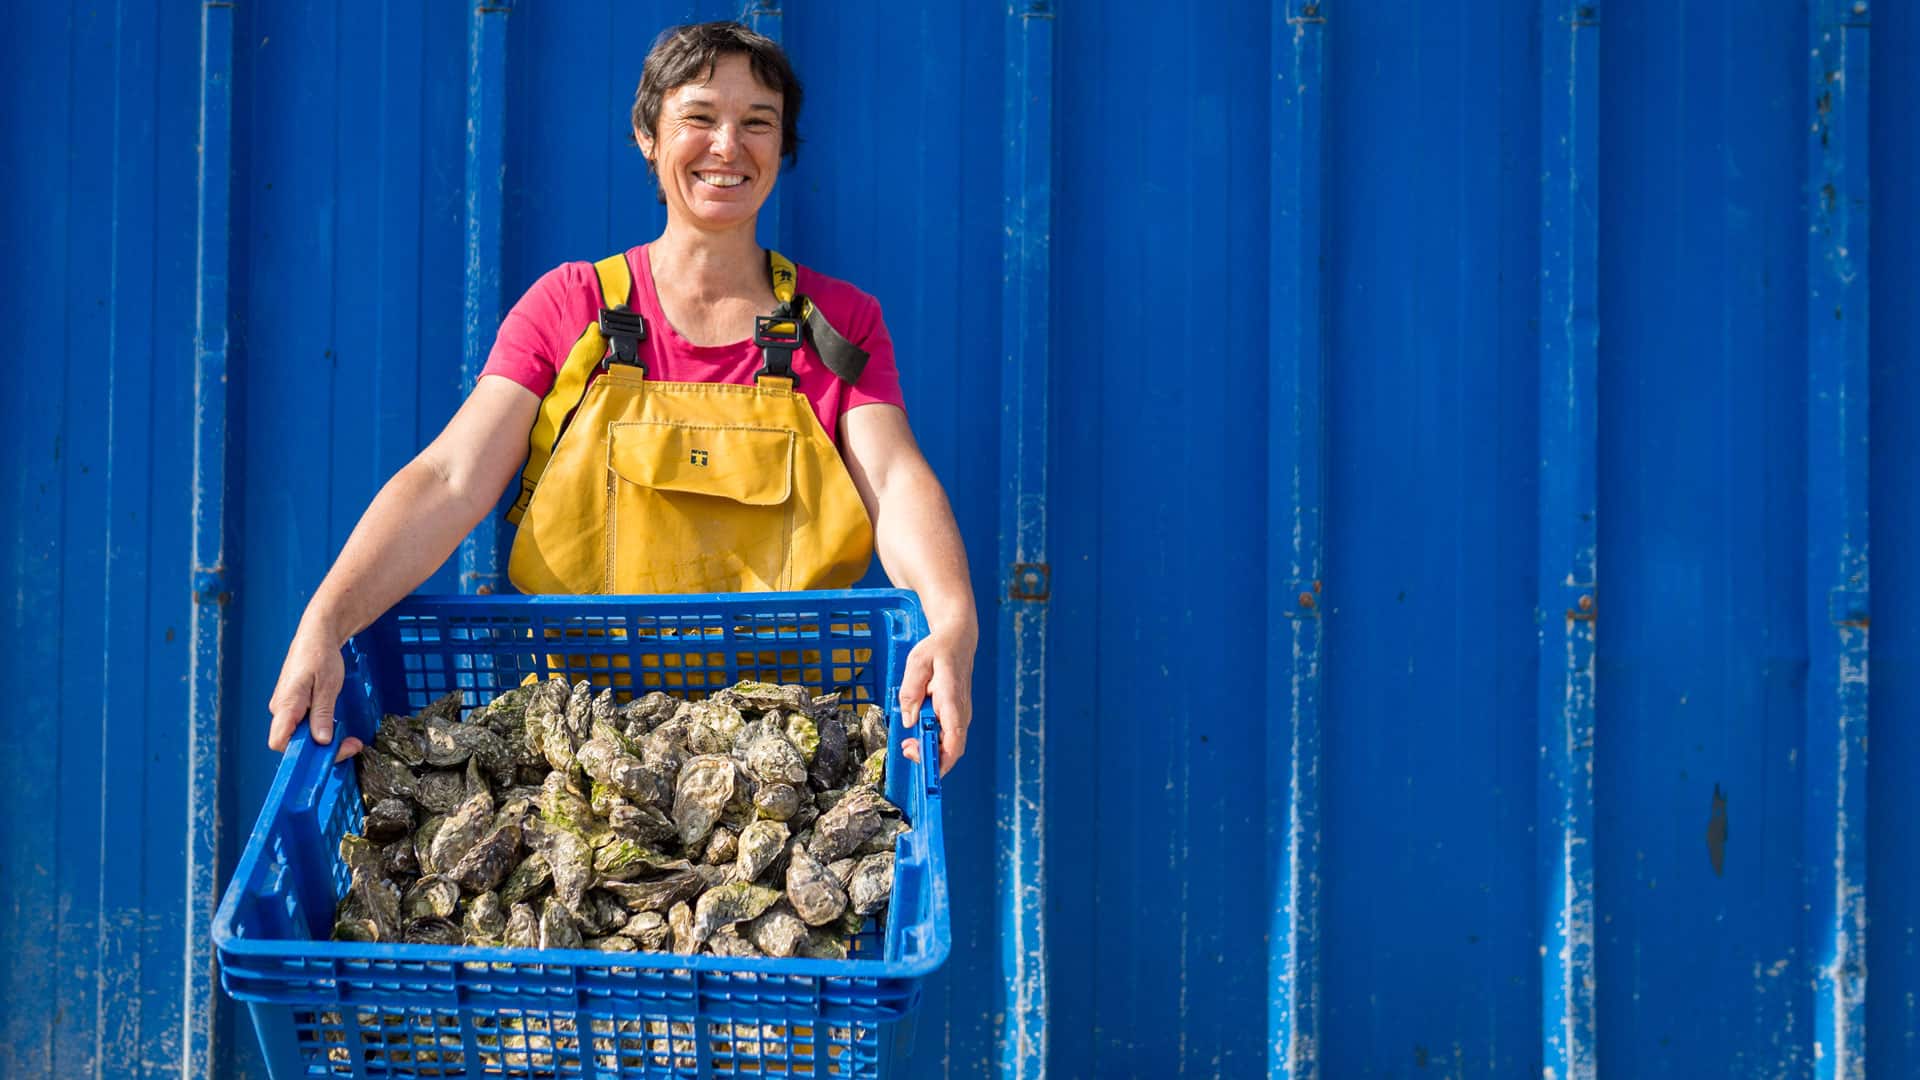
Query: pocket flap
x=751, y=466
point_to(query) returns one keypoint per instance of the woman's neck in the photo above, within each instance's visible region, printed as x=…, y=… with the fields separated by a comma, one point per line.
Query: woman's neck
x=704, y=266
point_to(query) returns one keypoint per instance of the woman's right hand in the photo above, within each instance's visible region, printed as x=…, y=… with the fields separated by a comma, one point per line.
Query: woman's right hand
x=310, y=682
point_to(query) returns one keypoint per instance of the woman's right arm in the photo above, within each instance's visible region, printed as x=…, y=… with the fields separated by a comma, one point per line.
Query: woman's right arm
x=413, y=524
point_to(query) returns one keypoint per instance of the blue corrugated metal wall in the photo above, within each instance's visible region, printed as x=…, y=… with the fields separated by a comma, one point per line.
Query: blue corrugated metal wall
x=1373, y=380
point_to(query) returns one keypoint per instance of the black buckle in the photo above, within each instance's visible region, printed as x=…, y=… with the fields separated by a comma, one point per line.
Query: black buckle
x=767, y=338
x=776, y=347
x=625, y=329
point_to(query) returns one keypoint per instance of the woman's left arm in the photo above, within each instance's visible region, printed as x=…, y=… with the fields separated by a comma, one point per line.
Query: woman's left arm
x=919, y=547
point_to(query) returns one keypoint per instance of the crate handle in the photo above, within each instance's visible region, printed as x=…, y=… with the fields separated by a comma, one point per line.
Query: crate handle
x=312, y=763
x=930, y=745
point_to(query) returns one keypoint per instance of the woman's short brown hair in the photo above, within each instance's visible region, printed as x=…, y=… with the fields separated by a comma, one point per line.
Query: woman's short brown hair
x=683, y=54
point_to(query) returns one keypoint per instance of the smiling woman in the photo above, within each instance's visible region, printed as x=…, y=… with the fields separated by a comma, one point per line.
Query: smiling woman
x=693, y=414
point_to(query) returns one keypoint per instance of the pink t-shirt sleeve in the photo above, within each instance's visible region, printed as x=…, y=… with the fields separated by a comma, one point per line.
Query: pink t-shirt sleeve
x=537, y=334
x=879, y=381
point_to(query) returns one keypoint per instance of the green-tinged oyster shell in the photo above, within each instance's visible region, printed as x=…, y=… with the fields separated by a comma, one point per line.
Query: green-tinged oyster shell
x=526, y=880
x=873, y=771
x=485, y=920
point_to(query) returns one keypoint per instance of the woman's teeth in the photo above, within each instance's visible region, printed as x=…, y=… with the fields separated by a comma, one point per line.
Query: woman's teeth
x=719, y=181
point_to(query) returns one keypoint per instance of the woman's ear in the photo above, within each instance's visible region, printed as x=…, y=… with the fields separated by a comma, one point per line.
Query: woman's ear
x=645, y=142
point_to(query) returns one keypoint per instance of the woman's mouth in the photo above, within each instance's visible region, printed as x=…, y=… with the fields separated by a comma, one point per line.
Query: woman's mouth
x=721, y=180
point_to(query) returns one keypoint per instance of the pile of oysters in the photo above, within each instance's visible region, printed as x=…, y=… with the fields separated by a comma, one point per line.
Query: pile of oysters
x=750, y=823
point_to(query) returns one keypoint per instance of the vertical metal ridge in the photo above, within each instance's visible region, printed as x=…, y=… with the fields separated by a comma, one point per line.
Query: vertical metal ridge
x=486, y=183
x=1020, y=791
x=1566, y=609
x=765, y=17
x=1837, y=580
x=206, y=683
x=1296, y=469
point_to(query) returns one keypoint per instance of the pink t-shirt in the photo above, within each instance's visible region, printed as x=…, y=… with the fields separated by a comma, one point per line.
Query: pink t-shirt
x=541, y=329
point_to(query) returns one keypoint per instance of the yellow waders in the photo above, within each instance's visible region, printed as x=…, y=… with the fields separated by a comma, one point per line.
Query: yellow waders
x=662, y=487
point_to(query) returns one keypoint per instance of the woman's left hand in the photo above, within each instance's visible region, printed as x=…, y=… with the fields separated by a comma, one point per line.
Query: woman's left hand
x=940, y=667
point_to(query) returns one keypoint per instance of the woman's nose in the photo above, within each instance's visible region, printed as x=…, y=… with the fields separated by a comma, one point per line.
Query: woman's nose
x=724, y=139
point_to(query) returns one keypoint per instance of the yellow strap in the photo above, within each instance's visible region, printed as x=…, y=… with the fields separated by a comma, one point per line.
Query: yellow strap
x=570, y=384
x=785, y=277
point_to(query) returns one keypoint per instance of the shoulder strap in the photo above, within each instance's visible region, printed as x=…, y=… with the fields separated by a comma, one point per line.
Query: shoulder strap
x=842, y=357
x=570, y=382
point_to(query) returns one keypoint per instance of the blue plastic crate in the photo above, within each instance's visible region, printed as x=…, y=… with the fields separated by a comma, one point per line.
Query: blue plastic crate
x=326, y=1008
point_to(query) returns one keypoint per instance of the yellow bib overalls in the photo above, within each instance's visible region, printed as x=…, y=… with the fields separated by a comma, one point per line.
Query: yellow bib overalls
x=638, y=486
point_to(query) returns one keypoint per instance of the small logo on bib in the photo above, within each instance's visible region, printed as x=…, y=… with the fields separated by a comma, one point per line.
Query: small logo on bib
x=699, y=457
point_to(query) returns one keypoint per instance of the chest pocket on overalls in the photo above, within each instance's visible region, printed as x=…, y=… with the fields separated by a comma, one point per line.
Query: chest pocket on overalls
x=720, y=497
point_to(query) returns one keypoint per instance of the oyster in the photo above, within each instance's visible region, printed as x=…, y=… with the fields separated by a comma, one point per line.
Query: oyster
x=706, y=787
x=430, y=898
x=432, y=932
x=759, y=846
x=727, y=941
x=830, y=754
x=383, y=777
x=526, y=880
x=776, y=802
x=440, y=791
x=614, y=943
x=852, y=819
x=873, y=729
x=658, y=894
x=649, y=929
x=464, y=828
x=816, y=897
x=873, y=771
x=680, y=919
x=388, y=820
x=770, y=758
x=403, y=738
x=485, y=922
x=557, y=928
x=730, y=904
x=722, y=845
x=777, y=931
x=487, y=863
x=568, y=856
x=523, y=928
x=872, y=883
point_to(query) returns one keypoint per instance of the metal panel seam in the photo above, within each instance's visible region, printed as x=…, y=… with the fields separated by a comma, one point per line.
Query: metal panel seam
x=486, y=185
x=1837, y=568
x=1566, y=606
x=1021, y=789
x=1295, y=485
x=210, y=583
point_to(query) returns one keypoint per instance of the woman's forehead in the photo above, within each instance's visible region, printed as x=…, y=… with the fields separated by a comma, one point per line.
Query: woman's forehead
x=730, y=76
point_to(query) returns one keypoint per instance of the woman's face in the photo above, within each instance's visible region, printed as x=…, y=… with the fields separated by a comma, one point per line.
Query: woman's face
x=718, y=148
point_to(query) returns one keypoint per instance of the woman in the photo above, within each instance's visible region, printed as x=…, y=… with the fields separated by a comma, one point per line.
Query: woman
x=664, y=365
